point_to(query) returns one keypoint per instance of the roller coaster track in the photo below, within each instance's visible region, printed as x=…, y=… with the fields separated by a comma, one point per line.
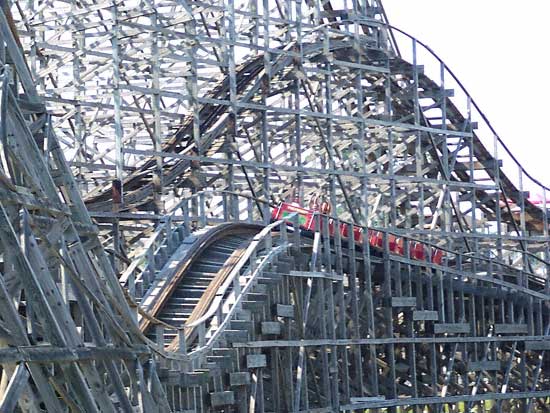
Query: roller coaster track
x=219, y=309
x=205, y=267
x=139, y=188
x=314, y=302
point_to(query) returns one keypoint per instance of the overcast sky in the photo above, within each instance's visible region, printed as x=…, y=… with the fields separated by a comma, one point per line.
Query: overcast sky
x=499, y=50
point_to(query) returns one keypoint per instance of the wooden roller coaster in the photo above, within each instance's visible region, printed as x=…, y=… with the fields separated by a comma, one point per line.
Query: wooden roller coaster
x=150, y=258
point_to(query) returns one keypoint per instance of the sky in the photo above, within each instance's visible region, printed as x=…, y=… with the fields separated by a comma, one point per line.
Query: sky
x=499, y=51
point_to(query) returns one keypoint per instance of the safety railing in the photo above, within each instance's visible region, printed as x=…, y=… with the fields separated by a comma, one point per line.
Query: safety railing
x=188, y=215
x=197, y=338
x=514, y=187
x=520, y=200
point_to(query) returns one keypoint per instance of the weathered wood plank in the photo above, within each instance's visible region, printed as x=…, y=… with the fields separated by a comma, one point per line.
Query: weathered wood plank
x=271, y=327
x=353, y=400
x=487, y=365
x=317, y=274
x=52, y=354
x=241, y=378
x=15, y=388
x=403, y=301
x=256, y=361
x=222, y=398
x=283, y=310
x=194, y=379
x=448, y=328
x=425, y=315
x=537, y=345
x=511, y=329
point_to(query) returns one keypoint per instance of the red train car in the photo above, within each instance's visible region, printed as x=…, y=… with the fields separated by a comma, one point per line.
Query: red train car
x=417, y=250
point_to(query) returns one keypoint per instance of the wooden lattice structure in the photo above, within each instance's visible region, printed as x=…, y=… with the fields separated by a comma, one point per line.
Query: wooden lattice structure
x=144, y=145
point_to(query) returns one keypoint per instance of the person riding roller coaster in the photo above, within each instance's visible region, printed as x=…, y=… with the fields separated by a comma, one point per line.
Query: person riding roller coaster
x=318, y=205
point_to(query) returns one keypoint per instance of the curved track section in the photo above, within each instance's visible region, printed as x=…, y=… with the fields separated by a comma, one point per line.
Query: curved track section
x=305, y=100
x=189, y=283
x=434, y=157
x=327, y=325
x=139, y=188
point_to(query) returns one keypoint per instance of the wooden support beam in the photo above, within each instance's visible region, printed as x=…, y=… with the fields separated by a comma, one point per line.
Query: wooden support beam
x=14, y=390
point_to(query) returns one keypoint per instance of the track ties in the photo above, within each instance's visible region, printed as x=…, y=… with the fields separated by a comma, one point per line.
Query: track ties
x=196, y=281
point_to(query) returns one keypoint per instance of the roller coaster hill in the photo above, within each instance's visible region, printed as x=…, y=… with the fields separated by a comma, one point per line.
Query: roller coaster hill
x=156, y=250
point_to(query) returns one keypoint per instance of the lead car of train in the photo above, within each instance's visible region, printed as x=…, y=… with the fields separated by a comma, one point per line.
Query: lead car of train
x=306, y=217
